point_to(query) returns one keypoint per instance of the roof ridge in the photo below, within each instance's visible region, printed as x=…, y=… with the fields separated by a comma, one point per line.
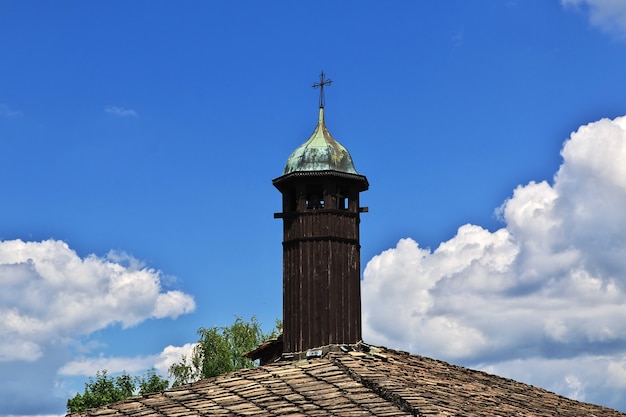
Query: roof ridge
x=356, y=379
x=379, y=390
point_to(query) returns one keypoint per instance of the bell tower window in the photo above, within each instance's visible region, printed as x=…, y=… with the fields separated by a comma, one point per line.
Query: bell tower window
x=315, y=198
x=342, y=199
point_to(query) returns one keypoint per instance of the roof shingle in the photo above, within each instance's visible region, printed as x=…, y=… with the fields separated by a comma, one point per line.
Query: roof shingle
x=381, y=382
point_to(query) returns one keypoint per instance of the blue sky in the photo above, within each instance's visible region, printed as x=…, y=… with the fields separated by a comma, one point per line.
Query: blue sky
x=138, y=141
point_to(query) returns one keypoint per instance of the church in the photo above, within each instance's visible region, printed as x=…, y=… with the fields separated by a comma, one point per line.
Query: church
x=320, y=366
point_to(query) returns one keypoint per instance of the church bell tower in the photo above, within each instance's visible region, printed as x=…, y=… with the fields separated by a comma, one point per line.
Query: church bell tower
x=321, y=251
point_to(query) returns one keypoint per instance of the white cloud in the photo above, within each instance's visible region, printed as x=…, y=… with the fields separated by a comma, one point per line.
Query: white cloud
x=137, y=364
x=171, y=355
x=548, y=288
x=50, y=299
x=89, y=366
x=120, y=111
x=576, y=378
x=6, y=111
x=50, y=294
x=71, y=376
x=608, y=15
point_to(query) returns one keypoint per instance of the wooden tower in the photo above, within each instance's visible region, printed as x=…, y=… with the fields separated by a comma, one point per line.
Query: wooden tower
x=321, y=249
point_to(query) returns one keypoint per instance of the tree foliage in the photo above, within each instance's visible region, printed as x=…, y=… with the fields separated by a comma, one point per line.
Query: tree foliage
x=152, y=382
x=105, y=389
x=220, y=350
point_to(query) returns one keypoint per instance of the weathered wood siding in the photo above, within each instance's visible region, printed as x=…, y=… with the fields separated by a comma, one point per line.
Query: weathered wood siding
x=321, y=263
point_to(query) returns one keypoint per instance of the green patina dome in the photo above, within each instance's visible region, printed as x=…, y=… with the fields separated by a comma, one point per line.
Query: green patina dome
x=321, y=152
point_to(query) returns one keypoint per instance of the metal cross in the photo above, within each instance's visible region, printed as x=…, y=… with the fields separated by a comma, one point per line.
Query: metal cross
x=321, y=85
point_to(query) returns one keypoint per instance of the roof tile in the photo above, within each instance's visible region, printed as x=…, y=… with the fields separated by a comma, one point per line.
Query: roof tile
x=381, y=382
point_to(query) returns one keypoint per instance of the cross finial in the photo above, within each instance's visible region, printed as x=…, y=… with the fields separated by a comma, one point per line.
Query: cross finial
x=321, y=85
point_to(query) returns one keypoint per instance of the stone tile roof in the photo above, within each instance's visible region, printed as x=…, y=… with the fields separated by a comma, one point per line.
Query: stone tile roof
x=354, y=381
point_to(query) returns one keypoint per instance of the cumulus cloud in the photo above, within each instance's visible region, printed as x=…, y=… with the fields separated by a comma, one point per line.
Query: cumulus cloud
x=171, y=355
x=608, y=15
x=544, y=291
x=120, y=111
x=51, y=299
x=136, y=364
x=48, y=293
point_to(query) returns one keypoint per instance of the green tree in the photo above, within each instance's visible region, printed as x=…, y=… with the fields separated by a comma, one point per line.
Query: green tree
x=220, y=350
x=105, y=389
x=152, y=382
